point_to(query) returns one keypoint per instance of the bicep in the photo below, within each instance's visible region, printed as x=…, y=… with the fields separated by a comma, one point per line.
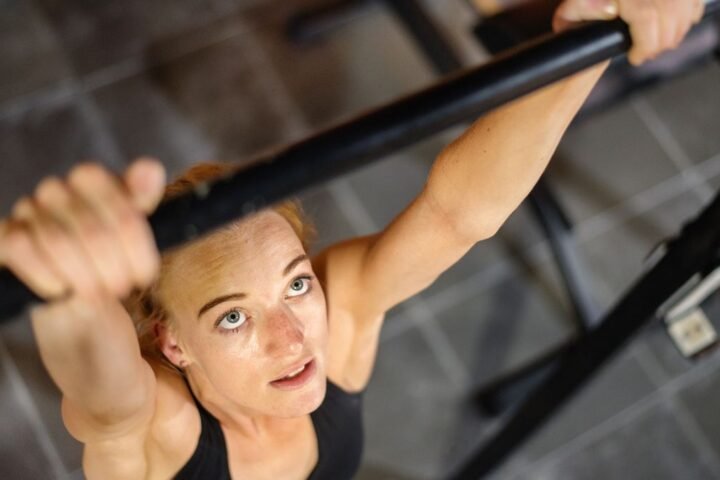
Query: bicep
x=387, y=268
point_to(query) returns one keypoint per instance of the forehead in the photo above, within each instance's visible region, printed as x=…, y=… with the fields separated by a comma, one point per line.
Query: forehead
x=259, y=246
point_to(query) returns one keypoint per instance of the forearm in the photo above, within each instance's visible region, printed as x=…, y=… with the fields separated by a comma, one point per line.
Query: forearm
x=482, y=177
x=93, y=355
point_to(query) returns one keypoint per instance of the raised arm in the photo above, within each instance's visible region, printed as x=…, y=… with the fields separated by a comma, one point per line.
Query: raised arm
x=85, y=239
x=481, y=178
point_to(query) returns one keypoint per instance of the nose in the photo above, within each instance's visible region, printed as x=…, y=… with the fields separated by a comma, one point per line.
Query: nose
x=285, y=333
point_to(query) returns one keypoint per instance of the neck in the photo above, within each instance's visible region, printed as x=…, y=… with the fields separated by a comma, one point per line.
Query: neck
x=233, y=417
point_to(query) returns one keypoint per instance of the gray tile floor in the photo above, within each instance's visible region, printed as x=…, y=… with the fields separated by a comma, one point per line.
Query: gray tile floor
x=192, y=80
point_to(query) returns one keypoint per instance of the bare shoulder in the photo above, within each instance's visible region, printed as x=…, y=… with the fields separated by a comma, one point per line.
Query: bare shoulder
x=339, y=268
x=155, y=443
x=175, y=427
x=352, y=334
x=113, y=448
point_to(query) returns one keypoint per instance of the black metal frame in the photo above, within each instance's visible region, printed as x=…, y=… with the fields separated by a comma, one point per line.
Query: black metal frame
x=458, y=99
x=691, y=252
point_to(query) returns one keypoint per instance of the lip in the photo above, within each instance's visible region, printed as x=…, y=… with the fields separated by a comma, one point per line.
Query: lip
x=293, y=367
x=300, y=380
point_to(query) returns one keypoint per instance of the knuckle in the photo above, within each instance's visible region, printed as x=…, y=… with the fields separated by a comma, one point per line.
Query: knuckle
x=147, y=270
x=22, y=207
x=666, y=43
x=128, y=220
x=16, y=241
x=117, y=284
x=646, y=11
x=123, y=288
x=92, y=233
x=47, y=190
x=87, y=287
x=152, y=268
x=87, y=173
x=50, y=290
x=680, y=36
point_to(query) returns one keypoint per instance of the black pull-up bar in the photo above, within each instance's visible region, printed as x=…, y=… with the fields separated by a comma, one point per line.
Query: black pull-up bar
x=342, y=148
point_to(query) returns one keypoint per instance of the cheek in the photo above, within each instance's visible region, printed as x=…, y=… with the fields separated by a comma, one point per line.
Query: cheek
x=316, y=315
x=221, y=354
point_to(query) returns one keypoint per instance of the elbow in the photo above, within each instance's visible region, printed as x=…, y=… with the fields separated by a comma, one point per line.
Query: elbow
x=477, y=226
x=466, y=222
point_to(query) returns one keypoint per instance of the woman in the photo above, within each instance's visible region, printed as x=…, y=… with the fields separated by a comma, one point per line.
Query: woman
x=251, y=356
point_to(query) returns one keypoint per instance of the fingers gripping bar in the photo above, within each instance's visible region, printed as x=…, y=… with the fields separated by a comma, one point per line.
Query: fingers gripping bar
x=340, y=149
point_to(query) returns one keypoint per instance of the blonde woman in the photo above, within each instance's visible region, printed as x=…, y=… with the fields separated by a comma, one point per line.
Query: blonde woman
x=238, y=356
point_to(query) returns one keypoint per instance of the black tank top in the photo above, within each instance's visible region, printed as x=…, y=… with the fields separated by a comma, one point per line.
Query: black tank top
x=338, y=425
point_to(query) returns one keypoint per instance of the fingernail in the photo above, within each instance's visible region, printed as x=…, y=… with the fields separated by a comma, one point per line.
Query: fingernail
x=611, y=9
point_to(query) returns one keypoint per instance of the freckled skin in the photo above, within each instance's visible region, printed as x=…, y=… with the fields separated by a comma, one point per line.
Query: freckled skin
x=231, y=371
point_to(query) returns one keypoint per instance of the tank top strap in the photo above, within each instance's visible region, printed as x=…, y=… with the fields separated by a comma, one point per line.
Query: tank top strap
x=209, y=460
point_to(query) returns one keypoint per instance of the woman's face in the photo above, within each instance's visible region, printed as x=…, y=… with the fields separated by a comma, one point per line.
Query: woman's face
x=247, y=308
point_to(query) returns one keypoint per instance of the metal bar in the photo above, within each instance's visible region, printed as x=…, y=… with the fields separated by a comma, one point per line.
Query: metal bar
x=696, y=247
x=552, y=221
x=350, y=145
x=508, y=390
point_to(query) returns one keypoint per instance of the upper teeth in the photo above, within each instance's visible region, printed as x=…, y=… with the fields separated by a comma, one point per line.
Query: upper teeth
x=296, y=372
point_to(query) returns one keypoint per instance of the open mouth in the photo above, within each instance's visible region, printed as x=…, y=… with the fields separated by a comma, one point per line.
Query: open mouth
x=298, y=378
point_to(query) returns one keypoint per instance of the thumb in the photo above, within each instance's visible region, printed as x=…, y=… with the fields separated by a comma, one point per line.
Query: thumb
x=575, y=11
x=145, y=180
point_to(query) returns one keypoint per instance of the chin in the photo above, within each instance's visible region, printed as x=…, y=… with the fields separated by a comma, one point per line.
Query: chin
x=306, y=401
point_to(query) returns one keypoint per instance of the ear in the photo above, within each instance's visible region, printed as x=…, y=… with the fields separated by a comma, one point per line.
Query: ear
x=169, y=345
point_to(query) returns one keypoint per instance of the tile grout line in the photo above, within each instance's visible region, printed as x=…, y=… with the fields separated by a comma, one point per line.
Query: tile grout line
x=649, y=363
x=671, y=146
x=105, y=76
x=29, y=408
x=351, y=206
x=479, y=281
x=271, y=82
x=589, y=229
x=65, y=89
x=688, y=425
x=48, y=97
x=443, y=349
x=396, y=327
x=74, y=475
x=648, y=199
x=626, y=415
x=107, y=143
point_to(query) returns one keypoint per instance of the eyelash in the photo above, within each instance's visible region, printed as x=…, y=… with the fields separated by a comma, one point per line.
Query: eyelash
x=224, y=331
x=308, y=279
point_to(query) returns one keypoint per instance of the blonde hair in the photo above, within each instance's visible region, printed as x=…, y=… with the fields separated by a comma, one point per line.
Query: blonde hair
x=145, y=307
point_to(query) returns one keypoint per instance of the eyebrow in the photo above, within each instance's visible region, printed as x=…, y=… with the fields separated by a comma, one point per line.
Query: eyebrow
x=239, y=296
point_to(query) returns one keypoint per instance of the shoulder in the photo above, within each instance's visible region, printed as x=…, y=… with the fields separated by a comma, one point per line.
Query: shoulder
x=176, y=425
x=153, y=445
x=339, y=269
x=352, y=334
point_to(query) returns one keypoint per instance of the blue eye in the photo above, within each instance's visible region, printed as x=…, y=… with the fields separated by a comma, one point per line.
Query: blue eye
x=299, y=286
x=232, y=320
